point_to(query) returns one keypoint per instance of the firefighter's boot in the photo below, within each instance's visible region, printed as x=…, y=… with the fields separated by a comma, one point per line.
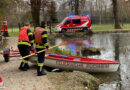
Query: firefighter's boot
x=27, y=66
x=22, y=67
x=40, y=71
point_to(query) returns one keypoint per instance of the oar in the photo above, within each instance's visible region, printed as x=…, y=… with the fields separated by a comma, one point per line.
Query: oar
x=60, y=44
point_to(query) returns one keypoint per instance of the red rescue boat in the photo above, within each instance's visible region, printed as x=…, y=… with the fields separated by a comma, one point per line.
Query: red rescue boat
x=70, y=62
x=80, y=63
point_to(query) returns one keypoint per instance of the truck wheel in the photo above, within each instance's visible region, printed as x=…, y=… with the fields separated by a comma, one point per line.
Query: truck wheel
x=63, y=31
x=6, y=52
x=85, y=29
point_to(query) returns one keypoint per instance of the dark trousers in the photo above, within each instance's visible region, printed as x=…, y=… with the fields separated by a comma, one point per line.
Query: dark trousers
x=24, y=50
x=41, y=56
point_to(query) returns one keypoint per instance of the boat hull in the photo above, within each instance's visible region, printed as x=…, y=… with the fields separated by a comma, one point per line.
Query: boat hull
x=80, y=66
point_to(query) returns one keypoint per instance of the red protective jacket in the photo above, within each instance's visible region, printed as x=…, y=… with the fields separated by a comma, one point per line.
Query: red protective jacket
x=23, y=36
x=38, y=35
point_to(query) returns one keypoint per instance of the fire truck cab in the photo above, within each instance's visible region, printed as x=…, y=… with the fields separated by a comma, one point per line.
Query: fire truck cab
x=74, y=23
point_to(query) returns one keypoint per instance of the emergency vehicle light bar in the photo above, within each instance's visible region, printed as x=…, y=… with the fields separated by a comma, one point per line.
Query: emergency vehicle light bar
x=87, y=15
x=71, y=15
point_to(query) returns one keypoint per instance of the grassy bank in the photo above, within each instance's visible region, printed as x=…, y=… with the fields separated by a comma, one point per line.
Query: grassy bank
x=108, y=27
x=73, y=80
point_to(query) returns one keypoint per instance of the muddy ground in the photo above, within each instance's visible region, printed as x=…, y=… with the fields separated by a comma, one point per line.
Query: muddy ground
x=14, y=79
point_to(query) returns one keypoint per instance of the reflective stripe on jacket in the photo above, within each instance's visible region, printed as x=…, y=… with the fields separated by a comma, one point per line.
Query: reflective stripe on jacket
x=23, y=43
x=40, y=46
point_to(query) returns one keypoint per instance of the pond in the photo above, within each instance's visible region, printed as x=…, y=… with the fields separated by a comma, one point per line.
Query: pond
x=114, y=46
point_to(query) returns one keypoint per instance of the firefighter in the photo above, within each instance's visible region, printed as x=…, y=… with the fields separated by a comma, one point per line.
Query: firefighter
x=40, y=44
x=25, y=40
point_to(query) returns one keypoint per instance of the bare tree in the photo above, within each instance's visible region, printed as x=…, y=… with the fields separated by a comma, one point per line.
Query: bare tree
x=52, y=12
x=124, y=10
x=13, y=10
x=36, y=7
x=35, y=10
x=63, y=11
x=76, y=7
x=115, y=13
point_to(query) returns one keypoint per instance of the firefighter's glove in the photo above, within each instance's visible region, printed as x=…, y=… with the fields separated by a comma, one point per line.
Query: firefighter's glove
x=47, y=48
x=32, y=49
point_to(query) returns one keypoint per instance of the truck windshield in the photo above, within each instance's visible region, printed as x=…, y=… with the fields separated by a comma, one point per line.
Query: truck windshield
x=63, y=21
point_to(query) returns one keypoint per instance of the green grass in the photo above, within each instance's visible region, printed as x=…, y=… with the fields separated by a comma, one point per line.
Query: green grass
x=126, y=26
x=102, y=27
x=108, y=27
x=60, y=51
x=13, y=32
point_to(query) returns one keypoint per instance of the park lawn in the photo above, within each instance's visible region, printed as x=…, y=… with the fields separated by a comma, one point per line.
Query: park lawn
x=102, y=27
x=126, y=26
x=13, y=32
x=108, y=27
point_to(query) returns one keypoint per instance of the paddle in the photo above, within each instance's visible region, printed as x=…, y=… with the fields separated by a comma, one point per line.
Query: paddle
x=60, y=44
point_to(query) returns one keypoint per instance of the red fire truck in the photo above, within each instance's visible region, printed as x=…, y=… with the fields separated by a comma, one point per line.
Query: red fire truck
x=4, y=27
x=74, y=23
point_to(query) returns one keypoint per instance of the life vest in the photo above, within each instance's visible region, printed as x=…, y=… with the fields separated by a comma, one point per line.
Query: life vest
x=23, y=36
x=38, y=35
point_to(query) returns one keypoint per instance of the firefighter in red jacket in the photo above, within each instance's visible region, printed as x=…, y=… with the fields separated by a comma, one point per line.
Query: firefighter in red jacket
x=24, y=41
x=41, y=43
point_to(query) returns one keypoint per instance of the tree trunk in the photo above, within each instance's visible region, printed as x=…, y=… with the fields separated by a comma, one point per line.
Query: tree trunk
x=76, y=7
x=115, y=13
x=35, y=10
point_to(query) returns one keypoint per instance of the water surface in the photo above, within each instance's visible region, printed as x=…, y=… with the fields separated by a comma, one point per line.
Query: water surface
x=114, y=46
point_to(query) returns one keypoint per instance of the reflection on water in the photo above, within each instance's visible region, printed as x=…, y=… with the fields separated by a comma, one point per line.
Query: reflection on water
x=89, y=43
x=75, y=44
x=113, y=47
x=105, y=42
x=72, y=47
